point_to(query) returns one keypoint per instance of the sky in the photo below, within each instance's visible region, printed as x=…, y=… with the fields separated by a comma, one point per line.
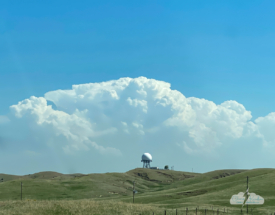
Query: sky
x=90, y=86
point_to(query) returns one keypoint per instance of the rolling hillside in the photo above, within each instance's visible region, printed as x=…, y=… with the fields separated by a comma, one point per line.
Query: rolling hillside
x=163, y=189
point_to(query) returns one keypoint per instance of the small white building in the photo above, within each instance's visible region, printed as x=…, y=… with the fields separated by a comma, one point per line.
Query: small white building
x=154, y=168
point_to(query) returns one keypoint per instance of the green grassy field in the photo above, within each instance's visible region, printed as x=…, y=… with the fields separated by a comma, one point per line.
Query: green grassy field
x=158, y=190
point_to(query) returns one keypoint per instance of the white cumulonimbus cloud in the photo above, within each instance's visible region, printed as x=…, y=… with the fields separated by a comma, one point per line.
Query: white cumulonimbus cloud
x=105, y=116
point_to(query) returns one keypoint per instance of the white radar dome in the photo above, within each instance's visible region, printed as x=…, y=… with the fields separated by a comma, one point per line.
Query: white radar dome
x=146, y=157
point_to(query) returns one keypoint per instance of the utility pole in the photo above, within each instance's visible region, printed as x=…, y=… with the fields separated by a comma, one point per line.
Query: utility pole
x=248, y=196
x=133, y=191
x=21, y=190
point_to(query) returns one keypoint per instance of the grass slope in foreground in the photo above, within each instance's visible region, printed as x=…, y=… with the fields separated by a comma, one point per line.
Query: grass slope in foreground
x=158, y=190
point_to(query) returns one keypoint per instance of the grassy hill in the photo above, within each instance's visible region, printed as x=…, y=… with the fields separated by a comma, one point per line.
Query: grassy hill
x=158, y=190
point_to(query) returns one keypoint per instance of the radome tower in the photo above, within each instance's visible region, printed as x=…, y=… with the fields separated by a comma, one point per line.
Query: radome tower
x=146, y=158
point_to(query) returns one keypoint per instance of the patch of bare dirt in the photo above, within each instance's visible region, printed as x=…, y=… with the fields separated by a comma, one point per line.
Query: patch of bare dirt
x=193, y=193
x=225, y=174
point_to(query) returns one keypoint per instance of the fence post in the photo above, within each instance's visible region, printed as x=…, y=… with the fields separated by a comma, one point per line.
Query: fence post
x=176, y=211
x=196, y=211
x=165, y=212
x=205, y=211
x=186, y=211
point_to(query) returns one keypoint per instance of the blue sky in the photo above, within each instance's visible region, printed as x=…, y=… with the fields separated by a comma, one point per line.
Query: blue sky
x=212, y=50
